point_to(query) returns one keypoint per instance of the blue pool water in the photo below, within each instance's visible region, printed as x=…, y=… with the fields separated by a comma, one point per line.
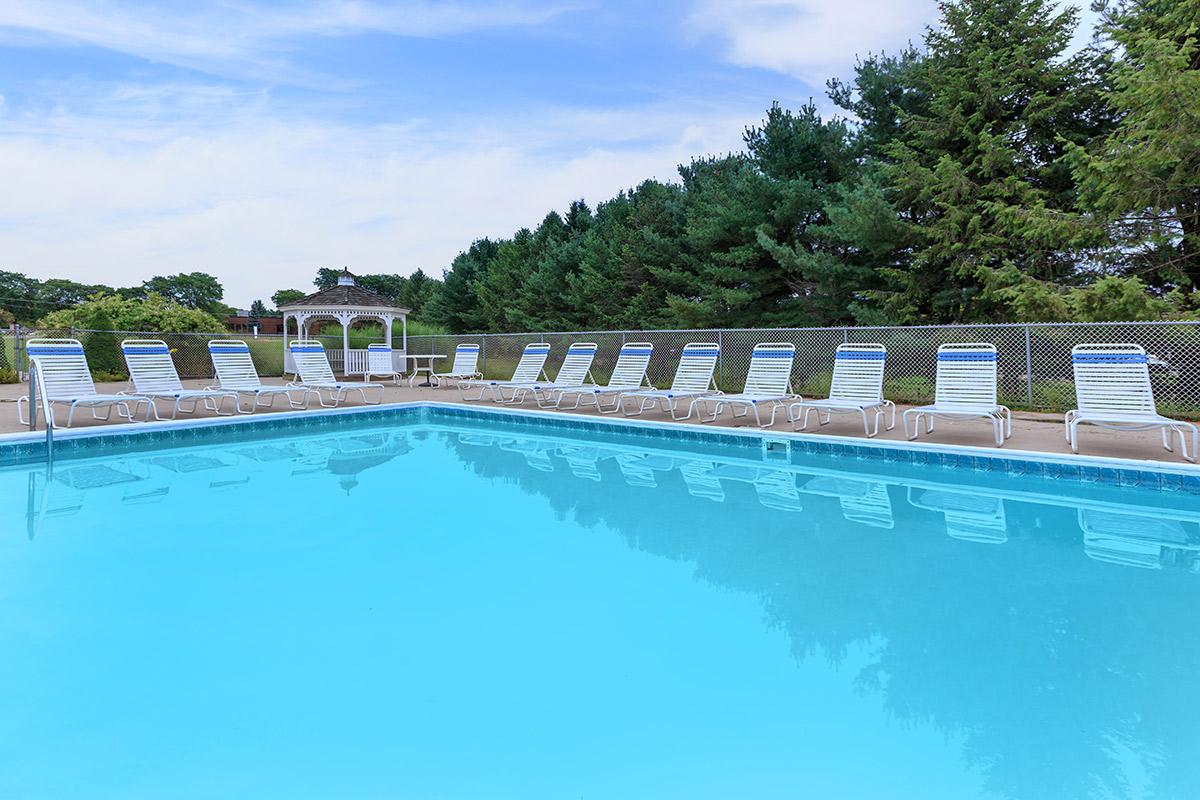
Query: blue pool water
x=452, y=610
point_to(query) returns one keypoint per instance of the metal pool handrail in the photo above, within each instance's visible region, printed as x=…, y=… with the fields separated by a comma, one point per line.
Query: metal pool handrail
x=37, y=390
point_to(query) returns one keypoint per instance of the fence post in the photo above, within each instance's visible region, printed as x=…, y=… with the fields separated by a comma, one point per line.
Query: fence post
x=483, y=354
x=18, y=361
x=720, y=356
x=1028, y=368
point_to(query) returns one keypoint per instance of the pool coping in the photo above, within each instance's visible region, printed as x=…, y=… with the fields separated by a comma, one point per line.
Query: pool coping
x=26, y=447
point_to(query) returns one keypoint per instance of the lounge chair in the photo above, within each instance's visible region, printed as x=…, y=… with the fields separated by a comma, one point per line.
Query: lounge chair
x=857, y=388
x=693, y=378
x=1112, y=387
x=154, y=375
x=768, y=385
x=316, y=376
x=379, y=362
x=464, y=368
x=628, y=375
x=236, y=372
x=575, y=369
x=66, y=380
x=530, y=369
x=966, y=387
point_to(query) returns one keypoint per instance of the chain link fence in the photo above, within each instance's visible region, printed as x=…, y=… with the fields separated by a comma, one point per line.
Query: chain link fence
x=1034, y=360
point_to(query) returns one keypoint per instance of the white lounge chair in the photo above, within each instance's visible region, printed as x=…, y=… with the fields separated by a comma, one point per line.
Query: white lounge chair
x=235, y=372
x=693, y=378
x=966, y=387
x=66, y=380
x=857, y=388
x=768, y=385
x=464, y=368
x=530, y=369
x=380, y=363
x=154, y=375
x=1113, y=390
x=628, y=375
x=576, y=368
x=316, y=376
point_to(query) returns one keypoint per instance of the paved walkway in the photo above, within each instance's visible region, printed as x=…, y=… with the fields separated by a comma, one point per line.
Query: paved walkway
x=1036, y=432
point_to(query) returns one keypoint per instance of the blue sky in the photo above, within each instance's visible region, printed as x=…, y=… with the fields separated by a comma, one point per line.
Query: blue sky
x=259, y=141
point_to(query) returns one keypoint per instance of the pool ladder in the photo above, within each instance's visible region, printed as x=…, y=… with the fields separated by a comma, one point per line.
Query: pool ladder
x=37, y=390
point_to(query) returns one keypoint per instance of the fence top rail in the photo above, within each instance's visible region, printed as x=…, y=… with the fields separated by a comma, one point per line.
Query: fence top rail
x=838, y=328
x=825, y=329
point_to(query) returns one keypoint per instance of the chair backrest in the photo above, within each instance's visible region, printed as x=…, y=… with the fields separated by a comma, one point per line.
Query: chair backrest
x=379, y=359
x=770, y=370
x=533, y=361
x=233, y=365
x=62, y=368
x=697, y=364
x=858, y=373
x=466, y=360
x=966, y=375
x=312, y=365
x=631, y=366
x=576, y=365
x=1113, y=378
x=150, y=366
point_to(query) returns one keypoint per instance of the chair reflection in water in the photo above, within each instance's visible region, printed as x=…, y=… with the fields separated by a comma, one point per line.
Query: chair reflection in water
x=864, y=502
x=970, y=517
x=536, y=453
x=1134, y=540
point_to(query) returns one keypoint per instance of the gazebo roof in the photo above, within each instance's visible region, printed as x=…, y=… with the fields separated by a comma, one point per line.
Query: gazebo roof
x=346, y=294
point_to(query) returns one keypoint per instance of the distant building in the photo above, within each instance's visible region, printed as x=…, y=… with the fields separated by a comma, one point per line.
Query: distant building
x=243, y=324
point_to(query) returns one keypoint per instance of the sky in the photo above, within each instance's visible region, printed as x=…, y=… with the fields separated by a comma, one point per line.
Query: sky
x=260, y=141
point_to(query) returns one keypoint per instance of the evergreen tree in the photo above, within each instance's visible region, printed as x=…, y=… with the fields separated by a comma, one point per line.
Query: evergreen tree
x=884, y=91
x=455, y=304
x=258, y=310
x=980, y=172
x=1143, y=180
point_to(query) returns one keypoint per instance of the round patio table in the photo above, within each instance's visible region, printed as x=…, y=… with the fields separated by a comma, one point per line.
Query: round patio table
x=417, y=369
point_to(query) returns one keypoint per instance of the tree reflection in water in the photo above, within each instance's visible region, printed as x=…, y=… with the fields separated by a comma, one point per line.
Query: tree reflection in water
x=1021, y=620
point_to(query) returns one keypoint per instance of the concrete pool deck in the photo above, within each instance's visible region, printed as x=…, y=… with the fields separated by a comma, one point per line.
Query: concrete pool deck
x=1034, y=432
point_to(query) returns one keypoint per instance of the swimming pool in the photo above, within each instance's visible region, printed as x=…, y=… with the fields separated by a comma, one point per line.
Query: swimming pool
x=438, y=605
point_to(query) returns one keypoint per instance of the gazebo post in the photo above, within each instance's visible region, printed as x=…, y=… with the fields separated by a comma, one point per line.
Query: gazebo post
x=346, y=345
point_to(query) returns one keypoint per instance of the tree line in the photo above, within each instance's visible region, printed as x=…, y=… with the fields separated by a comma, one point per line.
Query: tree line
x=991, y=174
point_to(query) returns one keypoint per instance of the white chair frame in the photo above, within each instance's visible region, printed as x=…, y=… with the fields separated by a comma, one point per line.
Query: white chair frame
x=966, y=388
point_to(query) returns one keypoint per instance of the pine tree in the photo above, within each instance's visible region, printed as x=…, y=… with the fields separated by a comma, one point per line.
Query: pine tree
x=980, y=173
x=1143, y=180
x=455, y=305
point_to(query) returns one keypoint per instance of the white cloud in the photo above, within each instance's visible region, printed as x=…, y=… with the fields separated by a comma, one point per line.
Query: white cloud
x=261, y=202
x=235, y=38
x=809, y=39
x=817, y=39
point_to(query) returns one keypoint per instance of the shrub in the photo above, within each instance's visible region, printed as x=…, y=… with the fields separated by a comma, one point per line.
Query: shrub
x=153, y=314
x=102, y=347
x=9, y=375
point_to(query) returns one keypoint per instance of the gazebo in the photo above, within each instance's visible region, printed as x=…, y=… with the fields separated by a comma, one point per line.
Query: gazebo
x=345, y=303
